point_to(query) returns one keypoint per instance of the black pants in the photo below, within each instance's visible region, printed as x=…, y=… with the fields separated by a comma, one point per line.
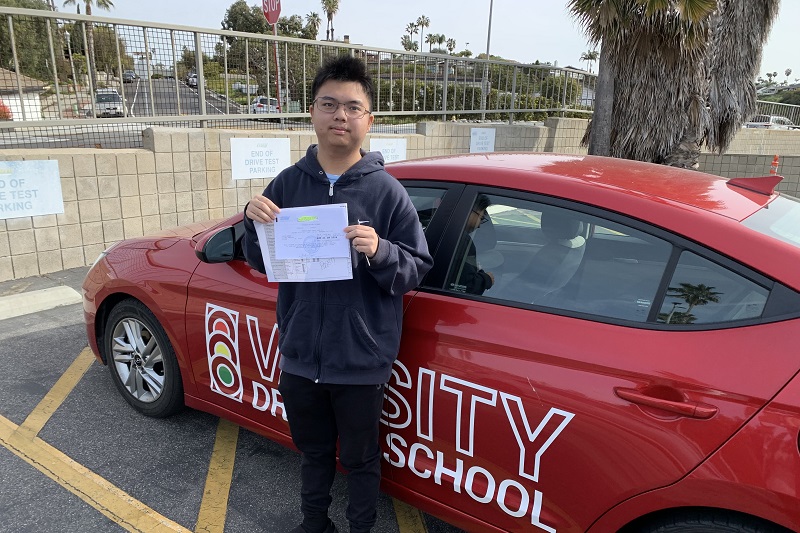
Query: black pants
x=319, y=413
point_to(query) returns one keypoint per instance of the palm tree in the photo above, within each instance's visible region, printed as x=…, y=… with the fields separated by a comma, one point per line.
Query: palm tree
x=422, y=23
x=330, y=8
x=693, y=295
x=408, y=44
x=431, y=39
x=313, y=22
x=590, y=56
x=704, y=52
x=451, y=46
x=102, y=4
x=411, y=29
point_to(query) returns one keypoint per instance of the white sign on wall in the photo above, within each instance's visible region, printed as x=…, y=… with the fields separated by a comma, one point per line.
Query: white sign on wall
x=30, y=188
x=392, y=149
x=481, y=140
x=259, y=158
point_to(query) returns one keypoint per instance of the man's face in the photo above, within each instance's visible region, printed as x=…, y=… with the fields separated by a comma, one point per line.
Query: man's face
x=475, y=219
x=337, y=131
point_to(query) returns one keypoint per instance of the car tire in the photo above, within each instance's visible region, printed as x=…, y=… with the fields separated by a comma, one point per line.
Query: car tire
x=708, y=521
x=142, y=361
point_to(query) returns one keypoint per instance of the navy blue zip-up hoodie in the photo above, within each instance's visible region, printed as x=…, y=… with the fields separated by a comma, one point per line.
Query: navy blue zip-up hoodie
x=348, y=331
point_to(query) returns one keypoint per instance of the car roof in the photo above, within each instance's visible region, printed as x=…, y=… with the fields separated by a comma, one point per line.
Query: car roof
x=593, y=178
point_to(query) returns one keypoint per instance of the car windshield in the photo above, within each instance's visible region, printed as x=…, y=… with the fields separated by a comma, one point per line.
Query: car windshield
x=779, y=220
x=108, y=98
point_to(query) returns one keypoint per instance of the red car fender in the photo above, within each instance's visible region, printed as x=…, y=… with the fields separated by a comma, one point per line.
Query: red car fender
x=769, y=490
x=166, y=299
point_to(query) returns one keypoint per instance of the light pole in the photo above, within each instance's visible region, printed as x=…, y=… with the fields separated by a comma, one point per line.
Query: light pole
x=485, y=81
x=72, y=64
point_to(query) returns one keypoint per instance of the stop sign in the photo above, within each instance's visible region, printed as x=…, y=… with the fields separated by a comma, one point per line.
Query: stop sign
x=272, y=10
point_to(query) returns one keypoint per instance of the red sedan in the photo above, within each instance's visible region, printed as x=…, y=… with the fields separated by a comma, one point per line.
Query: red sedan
x=627, y=361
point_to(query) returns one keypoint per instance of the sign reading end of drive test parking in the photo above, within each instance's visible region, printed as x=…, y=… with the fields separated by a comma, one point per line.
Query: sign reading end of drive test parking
x=481, y=140
x=391, y=149
x=30, y=188
x=259, y=158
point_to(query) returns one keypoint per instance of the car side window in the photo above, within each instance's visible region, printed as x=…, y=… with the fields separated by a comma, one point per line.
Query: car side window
x=426, y=201
x=702, y=292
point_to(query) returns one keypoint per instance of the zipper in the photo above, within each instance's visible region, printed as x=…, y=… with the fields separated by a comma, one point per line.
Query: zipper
x=318, y=348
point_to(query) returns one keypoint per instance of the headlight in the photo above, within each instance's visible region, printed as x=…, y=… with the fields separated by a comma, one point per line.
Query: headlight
x=102, y=255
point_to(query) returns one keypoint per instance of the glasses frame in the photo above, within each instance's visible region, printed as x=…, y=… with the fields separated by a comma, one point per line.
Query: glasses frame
x=338, y=103
x=483, y=218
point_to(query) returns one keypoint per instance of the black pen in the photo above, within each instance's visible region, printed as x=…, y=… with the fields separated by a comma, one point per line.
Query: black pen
x=364, y=223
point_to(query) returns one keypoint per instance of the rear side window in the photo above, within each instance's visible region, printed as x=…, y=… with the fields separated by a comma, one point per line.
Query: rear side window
x=702, y=292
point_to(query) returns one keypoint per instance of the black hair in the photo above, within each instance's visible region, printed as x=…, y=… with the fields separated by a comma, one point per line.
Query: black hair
x=482, y=202
x=344, y=68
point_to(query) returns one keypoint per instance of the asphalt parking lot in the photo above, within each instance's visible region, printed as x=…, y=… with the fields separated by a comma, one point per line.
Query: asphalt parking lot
x=75, y=457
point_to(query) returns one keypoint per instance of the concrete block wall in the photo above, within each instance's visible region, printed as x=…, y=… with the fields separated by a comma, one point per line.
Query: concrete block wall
x=184, y=176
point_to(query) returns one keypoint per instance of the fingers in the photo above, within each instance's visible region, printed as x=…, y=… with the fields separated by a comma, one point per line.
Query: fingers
x=363, y=238
x=262, y=209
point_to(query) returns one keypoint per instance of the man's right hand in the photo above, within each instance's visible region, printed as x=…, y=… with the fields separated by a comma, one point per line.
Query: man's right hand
x=262, y=209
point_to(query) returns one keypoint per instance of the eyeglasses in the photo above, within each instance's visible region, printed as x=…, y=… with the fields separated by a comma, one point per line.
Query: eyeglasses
x=484, y=216
x=330, y=105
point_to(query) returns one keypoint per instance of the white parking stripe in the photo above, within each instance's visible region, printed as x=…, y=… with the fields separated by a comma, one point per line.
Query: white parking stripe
x=35, y=301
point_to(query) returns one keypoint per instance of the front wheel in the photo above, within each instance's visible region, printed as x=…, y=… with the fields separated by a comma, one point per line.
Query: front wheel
x=142, y=361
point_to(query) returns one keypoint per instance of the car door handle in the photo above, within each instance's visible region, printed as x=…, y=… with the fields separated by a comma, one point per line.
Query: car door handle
x=689, y=409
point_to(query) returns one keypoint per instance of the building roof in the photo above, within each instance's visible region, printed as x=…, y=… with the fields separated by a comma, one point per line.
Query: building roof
x=8, y=82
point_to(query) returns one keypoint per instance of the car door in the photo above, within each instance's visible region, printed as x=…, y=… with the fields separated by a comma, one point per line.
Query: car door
x=232, y=328
x=232, y=335
x=541, y=406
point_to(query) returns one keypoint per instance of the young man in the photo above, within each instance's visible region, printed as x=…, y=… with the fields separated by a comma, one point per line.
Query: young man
x=338, y=339
x=469, y=276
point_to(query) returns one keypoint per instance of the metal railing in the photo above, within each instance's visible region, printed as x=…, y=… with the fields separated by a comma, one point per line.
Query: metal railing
x=59, y=74
x=790, y=111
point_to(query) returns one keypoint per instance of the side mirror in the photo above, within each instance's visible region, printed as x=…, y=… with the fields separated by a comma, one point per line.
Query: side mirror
x=219, y=247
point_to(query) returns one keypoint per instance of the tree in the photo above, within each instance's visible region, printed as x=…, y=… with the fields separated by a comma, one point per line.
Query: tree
x=451, y=46
x=590, y=56
x=408, y=44
x=33, y=58
x=788, y=73
x=673, y=75
x=422, y=23
x=101, y=4
x=313, y=22
x=330, y=8
x=693, y=295
x=411, y=29
x=241, y=17
x=431, y=39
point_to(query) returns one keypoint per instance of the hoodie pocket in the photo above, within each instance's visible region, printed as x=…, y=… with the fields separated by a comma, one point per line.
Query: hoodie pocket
x=298, y=330
x=348, y=344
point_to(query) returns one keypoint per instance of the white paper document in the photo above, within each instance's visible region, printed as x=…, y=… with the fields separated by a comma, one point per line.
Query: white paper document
x=311, y=242
x=313, y=231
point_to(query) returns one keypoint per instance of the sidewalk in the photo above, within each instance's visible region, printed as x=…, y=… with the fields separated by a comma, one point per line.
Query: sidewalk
x=28, y=295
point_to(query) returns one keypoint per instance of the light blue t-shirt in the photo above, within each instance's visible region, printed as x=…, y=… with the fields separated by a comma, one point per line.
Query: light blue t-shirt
x=332, y=177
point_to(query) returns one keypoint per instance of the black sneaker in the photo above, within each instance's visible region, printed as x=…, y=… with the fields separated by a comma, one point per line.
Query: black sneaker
x=330, y=528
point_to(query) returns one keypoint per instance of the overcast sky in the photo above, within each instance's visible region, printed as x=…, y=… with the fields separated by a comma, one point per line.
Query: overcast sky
x=521, y=30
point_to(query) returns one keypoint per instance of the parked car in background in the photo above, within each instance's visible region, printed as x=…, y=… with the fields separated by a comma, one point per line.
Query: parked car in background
x=634, y=366
x=191, y=80
x=771, y=122
x=107, y=103
x=129, y=76
x=262, y=104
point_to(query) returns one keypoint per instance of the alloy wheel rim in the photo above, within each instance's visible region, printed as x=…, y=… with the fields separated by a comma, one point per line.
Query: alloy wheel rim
x=138, y=360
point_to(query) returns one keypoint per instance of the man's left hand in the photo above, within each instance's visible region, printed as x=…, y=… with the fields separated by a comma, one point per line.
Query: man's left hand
x=363, y=238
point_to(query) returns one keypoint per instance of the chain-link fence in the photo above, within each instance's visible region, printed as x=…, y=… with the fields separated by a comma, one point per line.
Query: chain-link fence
x=73, y=80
